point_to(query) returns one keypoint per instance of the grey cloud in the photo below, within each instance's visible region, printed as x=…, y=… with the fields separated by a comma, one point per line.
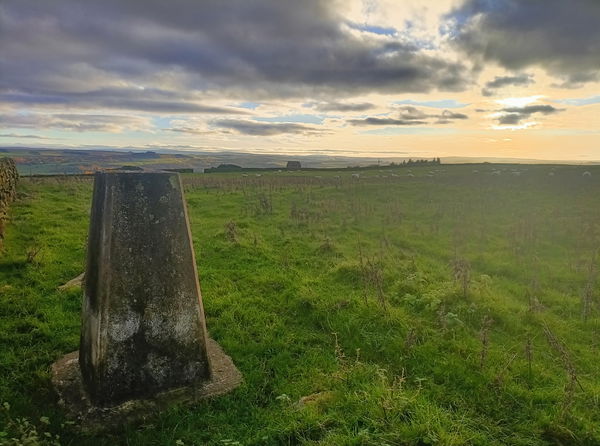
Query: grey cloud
x=409, y=112
x=385, y=121
x=344, y=107
x=264, y=129
x=560, y=36
x=577, y=80
x=49, y=51
x=409, y=115
x=503, y=81
x=530, y=109
x=151, y=100
x=511, y=119
x=514, y=115
x=16, y=135
x=189, y=130
x=447, y=115
x=73, y=122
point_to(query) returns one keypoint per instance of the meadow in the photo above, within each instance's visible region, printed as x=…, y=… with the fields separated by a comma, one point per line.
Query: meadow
x=450, y=305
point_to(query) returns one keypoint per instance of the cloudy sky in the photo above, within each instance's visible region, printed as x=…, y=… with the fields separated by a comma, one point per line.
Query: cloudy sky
x=499, y=78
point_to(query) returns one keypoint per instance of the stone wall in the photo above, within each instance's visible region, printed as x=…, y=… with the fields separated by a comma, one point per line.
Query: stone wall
x=8, y=189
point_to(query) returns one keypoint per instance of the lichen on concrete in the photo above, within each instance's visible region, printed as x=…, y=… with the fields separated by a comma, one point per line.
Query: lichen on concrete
x=143, y=328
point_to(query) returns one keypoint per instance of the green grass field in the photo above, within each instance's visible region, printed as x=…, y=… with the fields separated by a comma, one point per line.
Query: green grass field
x=453, y=307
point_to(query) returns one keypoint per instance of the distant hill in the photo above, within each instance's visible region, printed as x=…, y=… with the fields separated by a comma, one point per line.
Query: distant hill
x=48, y=161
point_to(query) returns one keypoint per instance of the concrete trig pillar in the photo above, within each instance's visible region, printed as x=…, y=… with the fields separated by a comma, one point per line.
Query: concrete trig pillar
x=143, y=338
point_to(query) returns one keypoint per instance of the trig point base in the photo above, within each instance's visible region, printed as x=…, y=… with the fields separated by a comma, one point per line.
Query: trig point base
x=143, y=343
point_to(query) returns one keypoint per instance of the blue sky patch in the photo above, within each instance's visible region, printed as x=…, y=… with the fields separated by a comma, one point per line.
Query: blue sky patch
x=248, y=104
x=580, y=101
x=162, y=123
x=381, y=30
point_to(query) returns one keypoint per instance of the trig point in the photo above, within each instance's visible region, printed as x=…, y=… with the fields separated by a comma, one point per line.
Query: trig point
x=144, y=343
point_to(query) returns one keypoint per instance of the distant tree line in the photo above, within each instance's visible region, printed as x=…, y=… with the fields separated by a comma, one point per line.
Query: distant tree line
x=295, y=165
x=420, y=162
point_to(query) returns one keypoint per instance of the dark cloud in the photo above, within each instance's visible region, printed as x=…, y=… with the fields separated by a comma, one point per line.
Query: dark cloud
x=343, y=107
x=385, y=121
x=511, y=118
x=16, y=135
x=189, y=130
x=264, y=129
x=409, y=115
x=74, y=51
x=447, y=114
x=578, y=79
x=560, y=36
x=504, y=81
x=409, y=112
x=531, y=109
x=73, y=122
x=514, y=115
x=149, y=100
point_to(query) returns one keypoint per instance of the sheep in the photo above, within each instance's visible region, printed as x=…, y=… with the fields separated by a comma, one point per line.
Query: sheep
x=587, y=173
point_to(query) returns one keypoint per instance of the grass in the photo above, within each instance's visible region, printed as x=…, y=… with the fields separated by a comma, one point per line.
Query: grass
x=444, y=309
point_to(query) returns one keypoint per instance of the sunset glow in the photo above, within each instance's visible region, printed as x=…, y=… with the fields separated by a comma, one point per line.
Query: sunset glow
x=360, y=78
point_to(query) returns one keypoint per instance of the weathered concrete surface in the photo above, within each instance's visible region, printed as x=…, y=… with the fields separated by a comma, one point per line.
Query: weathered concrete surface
x=143, y=329
x=68, y=383
x=8, y=189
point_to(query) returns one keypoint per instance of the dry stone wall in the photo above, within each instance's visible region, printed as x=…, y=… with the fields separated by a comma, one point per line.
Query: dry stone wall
x=8, y=189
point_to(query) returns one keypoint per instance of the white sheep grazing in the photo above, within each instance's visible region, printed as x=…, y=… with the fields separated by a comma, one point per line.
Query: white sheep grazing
x=410, y=175
x=258, y=175
x=587, y=173
x=496, y=172
x=356, y=175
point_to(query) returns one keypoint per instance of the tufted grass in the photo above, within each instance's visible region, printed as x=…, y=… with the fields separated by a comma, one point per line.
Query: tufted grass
x=347, y=296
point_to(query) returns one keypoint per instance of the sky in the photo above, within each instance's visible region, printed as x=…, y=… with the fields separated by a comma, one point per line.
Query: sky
x=403, y=78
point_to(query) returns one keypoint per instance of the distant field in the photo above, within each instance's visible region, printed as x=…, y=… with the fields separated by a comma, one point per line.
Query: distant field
x=449, y=305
